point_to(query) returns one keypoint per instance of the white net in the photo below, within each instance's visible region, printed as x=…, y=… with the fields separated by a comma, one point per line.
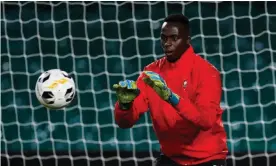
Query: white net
x=101, y=43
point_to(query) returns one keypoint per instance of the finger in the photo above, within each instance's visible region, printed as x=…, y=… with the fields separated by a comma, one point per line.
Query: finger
x=150, y=73
x=129, y=84
x=116, y=86
x=153, y=76
x=160, y=85
x=148, y=81
x=133, y=85
x=123, y=84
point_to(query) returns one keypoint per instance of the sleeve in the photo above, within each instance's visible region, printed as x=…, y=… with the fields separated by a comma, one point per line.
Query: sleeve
x=127, y=118
x=204, y=110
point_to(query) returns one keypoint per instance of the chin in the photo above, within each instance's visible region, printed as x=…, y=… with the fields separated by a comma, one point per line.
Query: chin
x=171, y=58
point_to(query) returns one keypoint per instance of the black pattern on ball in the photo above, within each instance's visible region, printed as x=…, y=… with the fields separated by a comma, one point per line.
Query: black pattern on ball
x=66, y=75
x=46, y=78
x=70, y=98
x=48, y=97
x=68, y=91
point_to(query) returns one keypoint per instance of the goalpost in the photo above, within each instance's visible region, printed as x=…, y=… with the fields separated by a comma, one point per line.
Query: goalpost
x=100, y=43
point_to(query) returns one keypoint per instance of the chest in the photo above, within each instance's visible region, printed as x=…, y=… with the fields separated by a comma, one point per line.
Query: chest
x=181, y=81
x=165, y=118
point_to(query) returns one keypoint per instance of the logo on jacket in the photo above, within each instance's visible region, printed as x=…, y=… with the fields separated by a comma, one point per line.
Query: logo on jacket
x=185, y=83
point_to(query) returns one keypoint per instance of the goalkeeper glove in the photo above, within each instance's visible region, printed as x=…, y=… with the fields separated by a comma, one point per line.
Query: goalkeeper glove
x=126, y=92
x=158, y=84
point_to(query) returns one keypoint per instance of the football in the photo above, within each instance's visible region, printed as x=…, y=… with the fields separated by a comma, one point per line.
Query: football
x=55, y=89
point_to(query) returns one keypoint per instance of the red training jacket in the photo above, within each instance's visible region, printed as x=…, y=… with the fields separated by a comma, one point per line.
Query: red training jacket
x=191, y=132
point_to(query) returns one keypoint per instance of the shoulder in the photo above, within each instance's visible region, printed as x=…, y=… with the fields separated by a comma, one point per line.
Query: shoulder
x=204, y=66
x=207, y=73
x=154, y=66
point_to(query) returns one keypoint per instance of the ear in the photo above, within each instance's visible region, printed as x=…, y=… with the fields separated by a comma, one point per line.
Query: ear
x=188, y=40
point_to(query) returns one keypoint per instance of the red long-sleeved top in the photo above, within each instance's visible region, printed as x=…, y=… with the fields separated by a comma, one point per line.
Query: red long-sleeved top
x=191, y=132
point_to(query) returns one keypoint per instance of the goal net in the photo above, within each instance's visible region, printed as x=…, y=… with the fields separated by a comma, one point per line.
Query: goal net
x=101, y=43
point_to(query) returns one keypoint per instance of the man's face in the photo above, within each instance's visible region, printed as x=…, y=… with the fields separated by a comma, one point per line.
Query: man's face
x=174, y=40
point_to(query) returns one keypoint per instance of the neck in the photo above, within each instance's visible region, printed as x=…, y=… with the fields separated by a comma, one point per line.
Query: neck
x=185, y=48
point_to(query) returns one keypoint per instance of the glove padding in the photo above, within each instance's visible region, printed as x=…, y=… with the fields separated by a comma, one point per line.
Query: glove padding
x=159, y=85
x=126, y=92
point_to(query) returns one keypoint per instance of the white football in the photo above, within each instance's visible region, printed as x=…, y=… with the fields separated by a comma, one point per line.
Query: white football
x=55, y=89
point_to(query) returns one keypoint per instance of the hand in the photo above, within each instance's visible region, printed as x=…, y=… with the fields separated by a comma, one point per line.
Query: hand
x=126, y=92
x=159, y=85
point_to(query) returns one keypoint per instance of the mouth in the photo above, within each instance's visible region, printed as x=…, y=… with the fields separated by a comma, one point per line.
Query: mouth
x=169, y=53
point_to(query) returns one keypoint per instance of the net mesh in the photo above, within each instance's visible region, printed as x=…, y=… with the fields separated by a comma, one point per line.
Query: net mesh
x=101, y=43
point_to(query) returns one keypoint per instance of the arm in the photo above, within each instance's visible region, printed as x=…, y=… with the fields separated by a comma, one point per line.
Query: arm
x=127, y=118
x=203, y=112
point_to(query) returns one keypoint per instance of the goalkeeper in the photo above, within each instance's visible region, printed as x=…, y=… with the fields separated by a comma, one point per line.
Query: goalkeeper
x=182, y=91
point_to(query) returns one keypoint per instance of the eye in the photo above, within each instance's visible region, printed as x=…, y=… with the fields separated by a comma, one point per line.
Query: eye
x=163, y=38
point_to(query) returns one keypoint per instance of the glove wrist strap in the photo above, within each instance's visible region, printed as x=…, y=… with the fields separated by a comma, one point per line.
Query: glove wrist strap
x=174, y=99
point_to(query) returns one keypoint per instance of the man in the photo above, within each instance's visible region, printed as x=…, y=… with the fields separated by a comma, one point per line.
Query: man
x=183, y=93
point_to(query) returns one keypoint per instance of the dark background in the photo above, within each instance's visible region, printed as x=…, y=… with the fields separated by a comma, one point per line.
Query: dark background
x=102, y=43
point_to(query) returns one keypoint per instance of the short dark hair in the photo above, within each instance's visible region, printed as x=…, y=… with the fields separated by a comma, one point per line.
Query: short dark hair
x=180, y=18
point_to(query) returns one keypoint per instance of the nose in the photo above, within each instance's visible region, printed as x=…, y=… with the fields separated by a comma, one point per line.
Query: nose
x=168, y=43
